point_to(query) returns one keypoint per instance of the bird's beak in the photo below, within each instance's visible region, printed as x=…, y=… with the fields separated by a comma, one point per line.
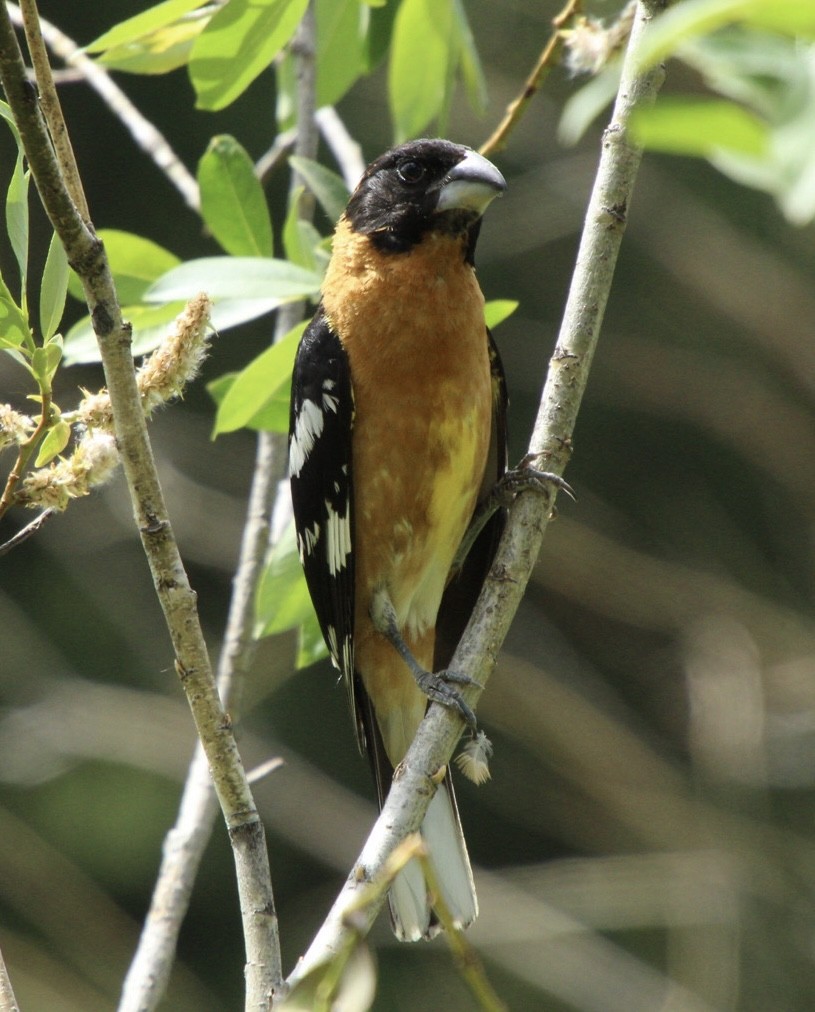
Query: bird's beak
x=470, y=185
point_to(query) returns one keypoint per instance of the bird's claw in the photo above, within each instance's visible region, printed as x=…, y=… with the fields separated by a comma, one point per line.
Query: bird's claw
x=524, y=476
x=437, y=688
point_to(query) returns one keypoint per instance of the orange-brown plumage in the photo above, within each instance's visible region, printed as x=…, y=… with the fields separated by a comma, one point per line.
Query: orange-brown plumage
x=420, y=461
x=397, y=433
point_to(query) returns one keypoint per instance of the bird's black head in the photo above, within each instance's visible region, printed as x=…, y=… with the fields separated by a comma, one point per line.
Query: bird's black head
x=423, y=186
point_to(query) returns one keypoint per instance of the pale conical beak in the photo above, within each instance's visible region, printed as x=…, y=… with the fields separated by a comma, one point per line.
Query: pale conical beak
x=470, y=185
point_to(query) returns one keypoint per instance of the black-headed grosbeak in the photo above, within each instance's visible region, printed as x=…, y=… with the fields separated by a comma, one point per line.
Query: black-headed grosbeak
x=398, y=432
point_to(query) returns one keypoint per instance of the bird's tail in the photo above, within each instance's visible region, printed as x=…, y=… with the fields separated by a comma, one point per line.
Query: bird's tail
x=411, y=912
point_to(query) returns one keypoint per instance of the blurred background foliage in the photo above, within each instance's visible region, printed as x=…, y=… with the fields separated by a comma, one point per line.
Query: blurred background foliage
x=648, y=837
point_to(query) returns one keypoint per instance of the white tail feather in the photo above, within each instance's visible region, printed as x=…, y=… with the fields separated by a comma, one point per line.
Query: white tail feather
x=411, y=913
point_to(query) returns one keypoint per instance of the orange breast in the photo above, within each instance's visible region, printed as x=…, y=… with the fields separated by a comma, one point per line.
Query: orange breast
x=413, y=327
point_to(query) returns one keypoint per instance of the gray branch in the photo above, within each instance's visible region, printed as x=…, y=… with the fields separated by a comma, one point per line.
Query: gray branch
x=178, y=601
x=550, y=444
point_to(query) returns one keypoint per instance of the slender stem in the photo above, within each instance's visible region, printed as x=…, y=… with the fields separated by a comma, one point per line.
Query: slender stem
x=410, y=793
x=185, y=843
x=498, y=139
x=25, y=453
x=52, y=110
x=8, y=1003
x=26, y=532
x=143, y=132
x=178, y=601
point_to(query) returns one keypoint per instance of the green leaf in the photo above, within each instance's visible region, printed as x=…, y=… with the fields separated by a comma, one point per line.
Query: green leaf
x=144, y=24
x=54, y=443
x=302, y=242
x=327, y=186
x=53, y=289
x=283, y=602
x=8, y=116
x=17, y=219
x=498, y=310
x=150, y=325
x=233, y=204
x=255, y=386
x=378, y=36
x=586, y=104
x=161, y=51
x=273, y=281
x=423, y=53
x=341, y=28
x=699, y=126
x=14, y=329
x=240, y=42
x=135, y=263
x=471, y=69
x=692, y=18
x=53, y=355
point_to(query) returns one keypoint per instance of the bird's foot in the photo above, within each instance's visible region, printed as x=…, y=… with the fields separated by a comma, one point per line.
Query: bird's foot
x=524, y=476
x=436, y=686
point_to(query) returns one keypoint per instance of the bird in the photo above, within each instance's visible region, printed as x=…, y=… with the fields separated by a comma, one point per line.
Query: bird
x=397, y=437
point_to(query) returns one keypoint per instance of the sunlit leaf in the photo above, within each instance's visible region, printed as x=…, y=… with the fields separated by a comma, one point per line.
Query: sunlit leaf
x=233, y=204
x=54, y=443
x=14, y=329
x=240, y=42
x=692, y=18
x=161, y=51
x=17, y=219
x=329, y=188
x=141, y=25
x=235, y=278
x=424, y=49
x=135, y=263
x=699, y=126
x=498, y=310
x=54, y=288
x=150, y=325
x=257, y=383
x=341, y=26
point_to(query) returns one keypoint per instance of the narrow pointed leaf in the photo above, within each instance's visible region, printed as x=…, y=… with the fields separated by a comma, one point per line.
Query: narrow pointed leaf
x=233, y=204
x=239, y=43
x=53, y=289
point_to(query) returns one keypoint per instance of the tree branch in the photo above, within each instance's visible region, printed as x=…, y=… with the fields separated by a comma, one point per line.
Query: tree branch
x=8, y=1003
x=551, y=442
x=144, y=133
x=185, y=843
x=178, y=601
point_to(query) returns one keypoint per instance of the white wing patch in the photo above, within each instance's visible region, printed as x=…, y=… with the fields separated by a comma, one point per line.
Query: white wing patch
x=330, y=401
x=307, y=541
x=342, y=656
x=308, y=427
x=338, y=538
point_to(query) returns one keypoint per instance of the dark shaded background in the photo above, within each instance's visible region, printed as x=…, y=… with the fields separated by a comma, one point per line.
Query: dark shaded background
x=648, y=838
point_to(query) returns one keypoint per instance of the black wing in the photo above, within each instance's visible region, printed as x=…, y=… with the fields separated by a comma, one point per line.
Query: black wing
x=463, y=589
x=320, y=427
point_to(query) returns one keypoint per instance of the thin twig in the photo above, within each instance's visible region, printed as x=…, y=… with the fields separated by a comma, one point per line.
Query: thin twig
x=346, y=151
x=185, y=843
x=515, y=110
x=178, y=601
x=551, y=440
x=143, y=132
x=26, y=532
x=52, y=110
x=8, y=1003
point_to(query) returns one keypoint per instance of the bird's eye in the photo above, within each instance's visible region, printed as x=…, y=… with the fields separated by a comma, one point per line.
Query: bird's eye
x=410, y=171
